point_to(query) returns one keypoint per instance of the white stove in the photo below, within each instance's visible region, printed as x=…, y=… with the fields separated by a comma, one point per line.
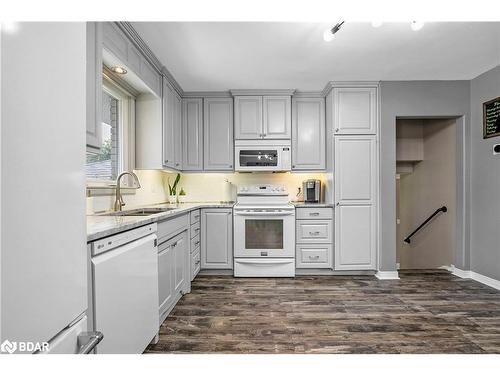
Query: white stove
x=264, y=232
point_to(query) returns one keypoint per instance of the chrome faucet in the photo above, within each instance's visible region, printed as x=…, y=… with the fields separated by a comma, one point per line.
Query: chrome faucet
x=119, y=203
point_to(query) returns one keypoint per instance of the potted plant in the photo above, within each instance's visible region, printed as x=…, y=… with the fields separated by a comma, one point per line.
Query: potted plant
x=182, y=196
x=172, y=189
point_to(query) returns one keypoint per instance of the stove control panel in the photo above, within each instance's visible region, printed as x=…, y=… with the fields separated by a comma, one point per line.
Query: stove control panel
x=264, y=189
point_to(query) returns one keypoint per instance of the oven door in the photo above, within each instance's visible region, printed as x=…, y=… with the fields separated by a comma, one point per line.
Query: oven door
x=264, y=233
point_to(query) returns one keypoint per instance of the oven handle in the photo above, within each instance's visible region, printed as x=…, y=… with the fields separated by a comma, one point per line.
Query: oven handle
x=263, y=213
x=264, y=262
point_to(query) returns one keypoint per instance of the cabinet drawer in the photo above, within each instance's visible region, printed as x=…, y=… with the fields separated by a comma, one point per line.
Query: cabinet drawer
x=312, y=231
x=195, y=216
x=171, y=227
x=314, y=213
x=195, y=264
x=314, y=256
x=195, y=243
x=195, y=229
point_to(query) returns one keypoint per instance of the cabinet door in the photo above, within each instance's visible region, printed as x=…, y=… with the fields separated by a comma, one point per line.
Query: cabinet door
x=355, y=240
x=308, y=134
x=177, y=132
x=168, y=126
x=181, y=252
x=165, y=276
x=217, y=239
x=355, y=110
x=218, y=143
x=248, y=117
x=277, y=114
x=192, y=139
x=94, y=84
x=355, y=169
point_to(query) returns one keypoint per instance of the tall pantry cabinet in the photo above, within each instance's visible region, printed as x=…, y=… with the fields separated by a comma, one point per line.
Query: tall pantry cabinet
x=354, y=119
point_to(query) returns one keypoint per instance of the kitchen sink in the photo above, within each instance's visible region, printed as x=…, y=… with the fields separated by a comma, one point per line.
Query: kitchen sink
x=140, y=211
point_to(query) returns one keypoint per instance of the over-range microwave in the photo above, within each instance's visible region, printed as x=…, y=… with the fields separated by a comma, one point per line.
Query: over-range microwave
x=262, y=155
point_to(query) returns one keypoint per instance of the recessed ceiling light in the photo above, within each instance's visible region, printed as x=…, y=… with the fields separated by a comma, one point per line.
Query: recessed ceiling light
x=377, y=23
x=329, y=33
x=415, y=25
x=119, y=69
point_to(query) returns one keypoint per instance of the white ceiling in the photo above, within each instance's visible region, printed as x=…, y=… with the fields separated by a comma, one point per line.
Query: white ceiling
x=258, y=55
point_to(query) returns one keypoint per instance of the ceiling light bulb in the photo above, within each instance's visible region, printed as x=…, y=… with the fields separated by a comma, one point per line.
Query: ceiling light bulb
x=377, y=23
x=327, y=35
x=415, y=25
x=119, y=70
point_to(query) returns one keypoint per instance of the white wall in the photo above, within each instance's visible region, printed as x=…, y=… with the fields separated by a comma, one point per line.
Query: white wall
x=485, y=182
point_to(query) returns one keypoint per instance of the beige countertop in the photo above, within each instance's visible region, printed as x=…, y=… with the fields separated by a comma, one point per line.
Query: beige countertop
x=100, y=225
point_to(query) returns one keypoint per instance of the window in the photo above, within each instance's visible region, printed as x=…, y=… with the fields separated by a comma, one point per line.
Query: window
x=115, y=154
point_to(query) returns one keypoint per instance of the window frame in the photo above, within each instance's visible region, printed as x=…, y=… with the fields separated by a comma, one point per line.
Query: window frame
x=126, y=132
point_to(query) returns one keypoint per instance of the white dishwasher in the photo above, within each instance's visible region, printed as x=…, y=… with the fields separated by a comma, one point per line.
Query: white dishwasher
x=125, y=290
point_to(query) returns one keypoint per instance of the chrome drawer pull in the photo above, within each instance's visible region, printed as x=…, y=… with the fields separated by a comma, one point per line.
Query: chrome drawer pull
x=313, y=256
x=313, y=213
x=314, y=233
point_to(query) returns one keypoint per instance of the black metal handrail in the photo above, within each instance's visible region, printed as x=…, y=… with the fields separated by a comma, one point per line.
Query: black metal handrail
x=440, y=209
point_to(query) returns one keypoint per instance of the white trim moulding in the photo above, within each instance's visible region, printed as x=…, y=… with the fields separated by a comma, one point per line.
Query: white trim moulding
x=330, y=85
x=249, y=92
x=387, y=275
x=476, y=277
x=206, y=94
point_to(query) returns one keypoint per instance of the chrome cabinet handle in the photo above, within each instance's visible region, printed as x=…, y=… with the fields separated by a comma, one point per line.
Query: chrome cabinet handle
x=313, y=256
x=197, y=243
x=196, y=229
x=314, y=233
x=313, y=213
x=337, y=130
x=87, y=341
x=196, y=263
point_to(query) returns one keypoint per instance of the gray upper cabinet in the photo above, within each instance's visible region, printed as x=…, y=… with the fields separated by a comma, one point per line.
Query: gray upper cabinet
x=168, y=125
x=248, y=117
x=192, y=139
x=116, y=42
x=218, y=142
x=308, y=134
x=355, y=110
x=172, y=131
x=262, y=117
x=177, y=131
x=277, y=115
x=94, y=84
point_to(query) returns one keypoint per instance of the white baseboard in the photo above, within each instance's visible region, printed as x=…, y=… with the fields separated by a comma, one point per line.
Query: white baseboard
x=387, y=275
x=477, y=277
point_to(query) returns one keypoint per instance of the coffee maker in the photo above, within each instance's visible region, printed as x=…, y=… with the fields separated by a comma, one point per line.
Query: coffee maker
x=312, y=191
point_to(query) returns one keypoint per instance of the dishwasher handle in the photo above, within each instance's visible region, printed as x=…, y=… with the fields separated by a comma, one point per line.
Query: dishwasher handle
x=87, y=341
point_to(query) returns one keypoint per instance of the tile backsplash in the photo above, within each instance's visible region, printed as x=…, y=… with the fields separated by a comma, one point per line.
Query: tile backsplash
x=204, y=187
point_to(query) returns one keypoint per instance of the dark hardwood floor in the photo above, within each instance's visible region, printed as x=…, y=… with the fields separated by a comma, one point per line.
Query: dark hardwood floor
x=423, y=312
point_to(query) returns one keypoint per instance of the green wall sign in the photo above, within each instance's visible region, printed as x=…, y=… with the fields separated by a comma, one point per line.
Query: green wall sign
x=491, y=118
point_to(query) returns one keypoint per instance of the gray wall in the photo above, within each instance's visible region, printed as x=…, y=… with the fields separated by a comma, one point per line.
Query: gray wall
x=485, y=182
x=419, y=99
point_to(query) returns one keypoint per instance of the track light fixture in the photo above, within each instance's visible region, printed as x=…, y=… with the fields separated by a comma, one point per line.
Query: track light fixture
x=329, y=33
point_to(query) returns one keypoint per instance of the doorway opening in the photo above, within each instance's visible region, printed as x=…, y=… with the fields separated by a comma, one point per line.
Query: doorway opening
x=426, y=189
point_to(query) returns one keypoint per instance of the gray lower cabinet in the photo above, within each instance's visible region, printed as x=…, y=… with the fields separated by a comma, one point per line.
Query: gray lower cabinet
x=314, y=237
x=173, y=263
x=308, y=134
x=218, y=142
x=217, y=238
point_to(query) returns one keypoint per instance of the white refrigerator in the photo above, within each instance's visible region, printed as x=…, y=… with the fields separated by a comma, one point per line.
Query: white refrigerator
x=43, y=270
